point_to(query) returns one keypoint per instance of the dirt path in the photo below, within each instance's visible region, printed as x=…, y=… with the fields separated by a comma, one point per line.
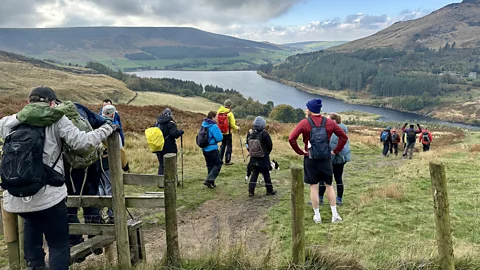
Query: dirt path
x=217, y=224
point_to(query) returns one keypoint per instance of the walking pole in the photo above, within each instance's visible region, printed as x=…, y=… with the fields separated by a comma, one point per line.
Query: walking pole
x=181, y=148
x=241, y=146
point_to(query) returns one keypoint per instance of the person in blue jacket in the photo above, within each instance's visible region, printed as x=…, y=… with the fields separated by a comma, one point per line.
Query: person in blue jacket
x=211, y=153
x=116, y=120
x=338, y=161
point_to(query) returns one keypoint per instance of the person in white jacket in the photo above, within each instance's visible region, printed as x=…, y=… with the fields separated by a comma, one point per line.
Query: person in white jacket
x=45, y=212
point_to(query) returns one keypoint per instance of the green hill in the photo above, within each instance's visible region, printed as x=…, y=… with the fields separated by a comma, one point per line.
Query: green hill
x=310, y=46
x=142, y=47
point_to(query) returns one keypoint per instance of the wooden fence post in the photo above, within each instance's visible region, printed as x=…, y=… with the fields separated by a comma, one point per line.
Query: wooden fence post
x=298, y=216
x=173, y=252
x=21, y=238
x=118, y=200
x=11, y=238
x=442, y=215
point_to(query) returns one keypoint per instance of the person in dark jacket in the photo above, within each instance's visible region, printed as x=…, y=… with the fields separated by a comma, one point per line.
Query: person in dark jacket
x=411, y=139
x=395, y=141
x=386, y=140
x=260, y=164
x=170, y=133
x=211, y=153
x=116, y=120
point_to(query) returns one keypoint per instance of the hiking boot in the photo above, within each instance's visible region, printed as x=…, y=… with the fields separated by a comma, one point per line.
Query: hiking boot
x=271, y=193
x=336, y=219
x=208, y=184
x=251, y=194
x=228, y=163
x=320, y=201
x=339, y=202
x=317, y=220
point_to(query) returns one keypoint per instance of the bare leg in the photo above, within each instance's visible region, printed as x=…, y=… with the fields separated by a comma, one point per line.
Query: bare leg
x=331, y=196
x=314, y=196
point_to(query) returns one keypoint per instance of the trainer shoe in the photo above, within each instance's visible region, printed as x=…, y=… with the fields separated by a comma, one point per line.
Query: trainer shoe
x=336, y=219
x=339, y=202
x=317, y=220
x=271, y=193
x=208, y=184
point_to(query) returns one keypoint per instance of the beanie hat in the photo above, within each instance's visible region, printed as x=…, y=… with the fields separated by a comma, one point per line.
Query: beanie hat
x=314, y=105
x=259, y=123
x=228, y=103
x=108, y=110
x=167, y=112
x=42, y=94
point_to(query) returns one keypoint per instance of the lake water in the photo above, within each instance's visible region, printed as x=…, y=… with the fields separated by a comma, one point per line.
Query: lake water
x=250, y=84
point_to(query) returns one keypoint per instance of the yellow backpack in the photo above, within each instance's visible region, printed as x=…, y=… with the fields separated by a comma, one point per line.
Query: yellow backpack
x=155, y=139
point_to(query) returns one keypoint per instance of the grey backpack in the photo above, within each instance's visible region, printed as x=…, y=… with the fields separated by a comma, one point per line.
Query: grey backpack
x=255, y=144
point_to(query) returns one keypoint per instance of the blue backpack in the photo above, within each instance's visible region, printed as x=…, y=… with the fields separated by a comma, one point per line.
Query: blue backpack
x=320, y=144
x=384, y=136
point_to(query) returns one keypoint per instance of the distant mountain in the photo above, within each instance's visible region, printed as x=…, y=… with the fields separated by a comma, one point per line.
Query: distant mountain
x=311, y=46
x=133, y=47
x=458, y=23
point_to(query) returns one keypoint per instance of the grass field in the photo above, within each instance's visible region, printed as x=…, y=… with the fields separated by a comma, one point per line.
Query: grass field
x=193, y=104
x=387, y=212
x=18, y=78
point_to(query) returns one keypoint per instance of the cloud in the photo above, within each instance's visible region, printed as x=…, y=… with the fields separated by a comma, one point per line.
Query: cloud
x=241, y=18
x=351, y=27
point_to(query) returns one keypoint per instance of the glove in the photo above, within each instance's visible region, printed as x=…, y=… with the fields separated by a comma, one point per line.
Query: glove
x=113, y=126
x=406, y=124
x=126, y=168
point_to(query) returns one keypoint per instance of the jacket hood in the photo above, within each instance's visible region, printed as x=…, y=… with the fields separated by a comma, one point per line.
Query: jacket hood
x=39, y=115
x=164, y=119
x=259, y=123
x=207, y=122
x=223, y=109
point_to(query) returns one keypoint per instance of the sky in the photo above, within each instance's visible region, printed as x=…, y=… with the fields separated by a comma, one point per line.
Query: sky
x=276, y=21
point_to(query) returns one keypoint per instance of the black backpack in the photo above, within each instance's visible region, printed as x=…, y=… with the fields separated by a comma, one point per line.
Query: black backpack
x=203, y=137
x=23, y=172
x=411, y=136
x=256, y=144
x=425, y=137
x=320, y=143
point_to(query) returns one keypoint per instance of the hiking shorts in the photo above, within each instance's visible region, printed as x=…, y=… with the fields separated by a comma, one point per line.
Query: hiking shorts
x=317, y=171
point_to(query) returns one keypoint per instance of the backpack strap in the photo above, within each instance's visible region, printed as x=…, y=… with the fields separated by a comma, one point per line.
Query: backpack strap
x=310, y=120
x=324, y=122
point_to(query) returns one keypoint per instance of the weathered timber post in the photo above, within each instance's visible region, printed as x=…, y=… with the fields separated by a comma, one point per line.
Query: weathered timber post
x=298, y=216
x=118, y=200
x=173, y=252
x=21, y=238
x=11, y=238
x=1, y=222
x=442, y=215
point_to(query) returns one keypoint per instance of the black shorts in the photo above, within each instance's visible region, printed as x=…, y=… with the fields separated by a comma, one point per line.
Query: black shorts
x=317, y=171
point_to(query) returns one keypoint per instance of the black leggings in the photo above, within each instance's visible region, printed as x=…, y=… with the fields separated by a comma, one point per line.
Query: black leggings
x=337, y=174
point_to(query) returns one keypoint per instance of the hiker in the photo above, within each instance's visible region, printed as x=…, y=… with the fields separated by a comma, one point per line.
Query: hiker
x=316, y=131
x=259, y=145
x=338, y=161
x=39, y=194
x=208, y=138
x=411, y=139
x=426, y=139
x=395, y=141
x=404, y=140
x=170, y=133
x=105, y=184
x=84, y=180
x=386, y=139
x=116, y=119
x=226, y=123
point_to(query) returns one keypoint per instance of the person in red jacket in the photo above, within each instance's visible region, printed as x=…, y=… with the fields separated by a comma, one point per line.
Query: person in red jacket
x=426, y=139
x=318, y=170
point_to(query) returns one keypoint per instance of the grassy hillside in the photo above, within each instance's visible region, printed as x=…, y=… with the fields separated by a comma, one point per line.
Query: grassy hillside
x=388, y=220
x=454, y=23
x=18, y=75
x=193, y=104
x=142, y=47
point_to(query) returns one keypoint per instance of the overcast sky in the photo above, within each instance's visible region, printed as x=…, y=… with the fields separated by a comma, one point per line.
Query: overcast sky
x=278, y=21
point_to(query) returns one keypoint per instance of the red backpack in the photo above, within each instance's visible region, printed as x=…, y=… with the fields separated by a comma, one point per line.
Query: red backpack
x=223, y=124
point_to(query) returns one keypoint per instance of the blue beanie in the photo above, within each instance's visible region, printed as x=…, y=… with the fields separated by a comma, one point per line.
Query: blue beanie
x=314, y=105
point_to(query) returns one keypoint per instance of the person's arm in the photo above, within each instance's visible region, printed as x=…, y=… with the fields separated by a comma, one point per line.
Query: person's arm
x=294, y=136
x=174, y=132
x=79, y=140
x=231, y=121
x=246, y=140
x=6, y=125
x=268, y=142
x=342, y=138
x=217, y=134
x=419, y=129
x=430, y=136
x=120, y=129
x=404, y=127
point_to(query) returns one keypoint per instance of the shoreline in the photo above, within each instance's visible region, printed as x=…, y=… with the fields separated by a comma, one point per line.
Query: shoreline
x=341, y=96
